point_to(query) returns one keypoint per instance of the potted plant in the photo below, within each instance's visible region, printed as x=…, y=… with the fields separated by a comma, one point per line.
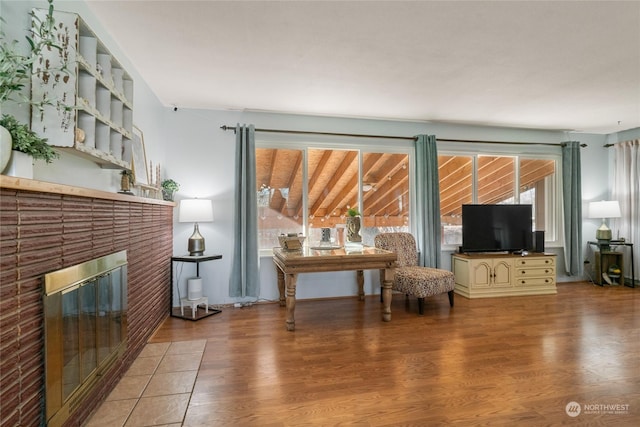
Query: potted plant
x=28, y=144
x=169, y=187
x=15, y=73
x=353, y=212
x=353, y=225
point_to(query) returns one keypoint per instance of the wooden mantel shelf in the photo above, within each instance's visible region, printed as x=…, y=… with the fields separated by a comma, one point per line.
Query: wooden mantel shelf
x=25, y=184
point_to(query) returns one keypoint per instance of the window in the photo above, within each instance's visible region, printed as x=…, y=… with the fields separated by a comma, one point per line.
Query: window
x=490, y=178
x=279, y=187
x=304, y=190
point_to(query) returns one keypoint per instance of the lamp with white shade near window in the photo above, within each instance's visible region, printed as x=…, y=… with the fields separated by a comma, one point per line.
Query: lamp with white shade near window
x=604, y=210
x=196, y=210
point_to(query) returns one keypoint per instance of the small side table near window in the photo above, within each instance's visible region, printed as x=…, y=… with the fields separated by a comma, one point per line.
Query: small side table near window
x=607, y=257
x=193, y=312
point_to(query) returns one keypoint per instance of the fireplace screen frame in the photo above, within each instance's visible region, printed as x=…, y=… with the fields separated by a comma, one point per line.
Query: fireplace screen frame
x=85, y=311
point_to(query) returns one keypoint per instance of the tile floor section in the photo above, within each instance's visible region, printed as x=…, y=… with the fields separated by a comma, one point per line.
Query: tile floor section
x=156, y=389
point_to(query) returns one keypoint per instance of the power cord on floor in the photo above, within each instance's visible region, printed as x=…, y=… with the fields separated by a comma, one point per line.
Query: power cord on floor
x=243, y=304
x=588, y=272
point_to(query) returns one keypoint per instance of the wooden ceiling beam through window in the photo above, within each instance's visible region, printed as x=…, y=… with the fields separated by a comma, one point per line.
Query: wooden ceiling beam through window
x=292, y=183
x=533, y=171
x=387, y=193
x=332, y=186
x=318, y=170
x=333, y=183
x=495, y=178
x=455, y=183
x=389, y=203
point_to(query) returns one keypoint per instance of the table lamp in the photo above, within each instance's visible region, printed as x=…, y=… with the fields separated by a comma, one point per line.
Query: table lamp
x=196, y=210
x=604, y=210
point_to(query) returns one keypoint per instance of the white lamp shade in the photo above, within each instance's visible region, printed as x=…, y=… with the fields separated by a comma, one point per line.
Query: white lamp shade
x=195, y=210
x=604, y=209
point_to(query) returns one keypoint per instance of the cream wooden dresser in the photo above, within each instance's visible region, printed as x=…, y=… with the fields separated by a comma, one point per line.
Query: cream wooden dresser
x=498, y=275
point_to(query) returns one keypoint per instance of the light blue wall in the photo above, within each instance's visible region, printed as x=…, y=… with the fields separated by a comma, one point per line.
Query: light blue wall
x=194, y=151
x=208, y=172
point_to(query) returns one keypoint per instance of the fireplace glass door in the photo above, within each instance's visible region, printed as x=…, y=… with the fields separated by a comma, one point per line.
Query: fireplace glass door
x=85, y=328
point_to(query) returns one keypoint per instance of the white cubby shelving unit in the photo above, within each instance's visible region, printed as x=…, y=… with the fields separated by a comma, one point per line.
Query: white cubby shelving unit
x=85, y=77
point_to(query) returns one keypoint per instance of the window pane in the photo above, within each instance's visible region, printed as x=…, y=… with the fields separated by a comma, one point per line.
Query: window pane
x=333, y=188
x=385, y=194
x=88, y=356
x=456, y=189
x=279, y=186
x=71, y=344
x=496, y=175
x=104, y=311
x=536, y=188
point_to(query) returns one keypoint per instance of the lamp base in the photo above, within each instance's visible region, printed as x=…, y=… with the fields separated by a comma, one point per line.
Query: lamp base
x=196, y=242
x=603, y=233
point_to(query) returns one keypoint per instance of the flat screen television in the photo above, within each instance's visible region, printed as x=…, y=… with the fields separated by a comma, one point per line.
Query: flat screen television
x=496, y=228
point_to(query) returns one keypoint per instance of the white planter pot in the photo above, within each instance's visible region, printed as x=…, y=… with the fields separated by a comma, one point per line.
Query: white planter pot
x=5, y=147
x=20, y=165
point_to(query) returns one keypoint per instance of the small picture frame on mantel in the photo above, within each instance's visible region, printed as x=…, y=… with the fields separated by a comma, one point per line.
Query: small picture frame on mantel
x=139, y=158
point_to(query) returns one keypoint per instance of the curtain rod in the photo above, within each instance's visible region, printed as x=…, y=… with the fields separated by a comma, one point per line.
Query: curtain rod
x=411, y=138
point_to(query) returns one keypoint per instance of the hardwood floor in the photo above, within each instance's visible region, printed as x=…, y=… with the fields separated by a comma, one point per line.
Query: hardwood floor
x=516, y=361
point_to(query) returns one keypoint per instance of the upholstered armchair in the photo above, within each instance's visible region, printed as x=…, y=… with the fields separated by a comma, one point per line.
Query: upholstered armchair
x=410, y=278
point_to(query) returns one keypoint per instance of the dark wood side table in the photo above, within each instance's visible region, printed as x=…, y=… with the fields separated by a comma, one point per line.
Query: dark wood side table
x=197, y=313
x=605, y=250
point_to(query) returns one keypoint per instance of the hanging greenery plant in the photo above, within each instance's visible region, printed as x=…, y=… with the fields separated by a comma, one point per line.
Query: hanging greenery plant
x=15, y=67
x=16, y=70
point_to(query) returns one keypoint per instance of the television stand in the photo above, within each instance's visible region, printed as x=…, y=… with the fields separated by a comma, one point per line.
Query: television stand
x=484, y=275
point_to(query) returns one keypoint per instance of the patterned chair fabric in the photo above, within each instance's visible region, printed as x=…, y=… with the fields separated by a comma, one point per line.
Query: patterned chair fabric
x=411, y=279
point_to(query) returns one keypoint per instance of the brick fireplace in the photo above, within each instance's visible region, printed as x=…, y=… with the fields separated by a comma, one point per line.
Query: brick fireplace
x=47, y=227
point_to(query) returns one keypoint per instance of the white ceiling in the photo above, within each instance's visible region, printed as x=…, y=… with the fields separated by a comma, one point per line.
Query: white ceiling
x=569, y=65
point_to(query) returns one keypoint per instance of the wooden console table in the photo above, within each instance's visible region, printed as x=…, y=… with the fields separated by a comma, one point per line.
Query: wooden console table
x=289, y=264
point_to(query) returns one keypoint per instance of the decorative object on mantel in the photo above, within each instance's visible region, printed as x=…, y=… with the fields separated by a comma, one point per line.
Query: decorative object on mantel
x=5, y=147
x=153, y=190
x=169, y=187
x=196, y=210
x=353, y=226
x=20, y=165
x=126, y=181
x=139, y=157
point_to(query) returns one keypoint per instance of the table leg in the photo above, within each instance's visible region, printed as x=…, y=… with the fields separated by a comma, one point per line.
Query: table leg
x=290, y=280
x=386, y=294
x=360, y=280
x=281, y=286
